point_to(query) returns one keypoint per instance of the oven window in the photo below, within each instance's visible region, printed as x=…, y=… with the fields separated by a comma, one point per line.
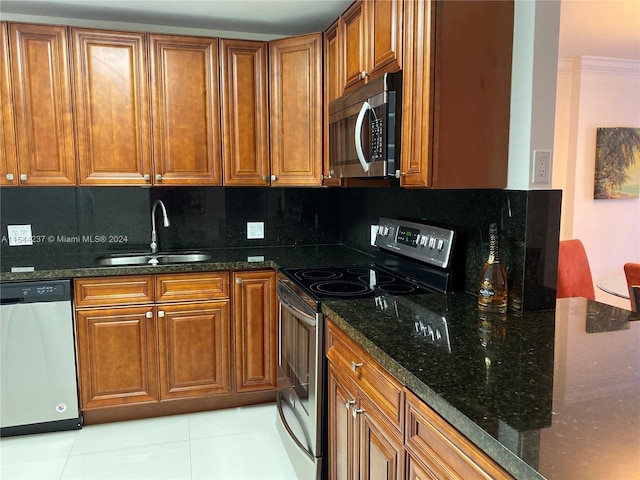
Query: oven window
x=297, y=354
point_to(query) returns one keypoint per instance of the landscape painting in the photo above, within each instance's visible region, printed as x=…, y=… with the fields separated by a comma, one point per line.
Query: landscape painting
x=617, y=163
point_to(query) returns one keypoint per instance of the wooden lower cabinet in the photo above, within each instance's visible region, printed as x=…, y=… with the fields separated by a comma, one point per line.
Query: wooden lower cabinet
x=362, y=445
x=194, y=352
x=366, y=442
x=255, y=329
x=152, y=345
x=117, y=355
x=441, y=449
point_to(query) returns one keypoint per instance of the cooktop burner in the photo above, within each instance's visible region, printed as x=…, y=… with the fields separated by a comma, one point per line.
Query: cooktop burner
x=350, y=282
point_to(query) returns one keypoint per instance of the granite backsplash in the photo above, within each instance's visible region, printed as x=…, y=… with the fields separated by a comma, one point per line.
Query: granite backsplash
x=109, y=219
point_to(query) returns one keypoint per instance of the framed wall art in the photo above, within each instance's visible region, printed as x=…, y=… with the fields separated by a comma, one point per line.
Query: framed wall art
x=617, y=172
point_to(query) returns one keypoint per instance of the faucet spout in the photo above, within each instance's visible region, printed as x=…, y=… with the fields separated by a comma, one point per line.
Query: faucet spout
x=165, y=223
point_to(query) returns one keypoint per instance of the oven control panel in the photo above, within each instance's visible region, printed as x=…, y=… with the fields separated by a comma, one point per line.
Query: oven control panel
x=426, y=243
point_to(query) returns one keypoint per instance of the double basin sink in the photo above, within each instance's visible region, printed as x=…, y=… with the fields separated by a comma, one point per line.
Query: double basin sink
x=160, y=258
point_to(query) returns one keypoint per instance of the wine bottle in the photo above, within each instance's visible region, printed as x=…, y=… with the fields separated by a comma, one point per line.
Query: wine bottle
x=492, y=288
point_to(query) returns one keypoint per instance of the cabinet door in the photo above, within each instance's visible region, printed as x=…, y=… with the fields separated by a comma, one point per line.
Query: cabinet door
x=342, y=443
x=333, y=88
x=354, y=32
x=245, y=133
x=381, y=450
x=296, y=110
x=117, y=356
x=185, y=112
x=112, y=107
x=255, y=330
x=8, y=154
x=417, y=471
x=417, y=94
x=194, y=355
x=43, y=108
x=385, y=38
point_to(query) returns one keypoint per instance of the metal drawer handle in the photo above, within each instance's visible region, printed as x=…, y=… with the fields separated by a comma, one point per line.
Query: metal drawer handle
x=348, y=404
x=356, y=411
x=355, y=366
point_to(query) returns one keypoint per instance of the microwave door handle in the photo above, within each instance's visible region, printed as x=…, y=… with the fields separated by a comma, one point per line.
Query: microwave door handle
x=358, y=136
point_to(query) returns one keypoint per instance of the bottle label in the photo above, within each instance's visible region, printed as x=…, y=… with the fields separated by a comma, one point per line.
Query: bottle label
x=487, y=292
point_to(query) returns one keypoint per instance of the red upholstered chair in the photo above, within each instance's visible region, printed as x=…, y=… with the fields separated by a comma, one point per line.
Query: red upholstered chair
x=574, y=273
x=632, y=272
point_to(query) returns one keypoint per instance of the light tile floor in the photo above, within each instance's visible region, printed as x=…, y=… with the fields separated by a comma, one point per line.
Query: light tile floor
x=239, y=443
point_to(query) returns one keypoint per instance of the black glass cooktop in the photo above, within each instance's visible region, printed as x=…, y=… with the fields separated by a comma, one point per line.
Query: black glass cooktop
x=352, y=282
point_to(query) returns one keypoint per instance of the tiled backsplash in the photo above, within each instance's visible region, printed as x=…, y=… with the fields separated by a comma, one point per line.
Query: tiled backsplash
x=103, y=219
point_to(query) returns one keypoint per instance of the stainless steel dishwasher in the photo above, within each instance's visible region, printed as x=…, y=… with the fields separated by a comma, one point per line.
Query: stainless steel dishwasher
x=39, y=388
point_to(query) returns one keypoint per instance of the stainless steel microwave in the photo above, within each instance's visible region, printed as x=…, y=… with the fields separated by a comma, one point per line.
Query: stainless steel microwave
x=364, y=130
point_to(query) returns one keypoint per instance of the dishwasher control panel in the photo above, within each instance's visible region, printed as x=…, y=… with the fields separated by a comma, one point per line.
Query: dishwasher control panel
x=28, y=292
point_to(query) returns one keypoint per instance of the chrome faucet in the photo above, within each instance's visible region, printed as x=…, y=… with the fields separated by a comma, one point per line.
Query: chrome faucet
x=165, y=223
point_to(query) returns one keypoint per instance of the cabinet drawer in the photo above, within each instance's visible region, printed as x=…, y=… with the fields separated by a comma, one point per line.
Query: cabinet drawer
x=442, y=449
x=372, y=379
x=98, y=291
x=192, y=286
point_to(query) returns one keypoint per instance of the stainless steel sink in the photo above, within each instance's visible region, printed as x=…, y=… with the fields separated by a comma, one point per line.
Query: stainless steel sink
x=161, y=258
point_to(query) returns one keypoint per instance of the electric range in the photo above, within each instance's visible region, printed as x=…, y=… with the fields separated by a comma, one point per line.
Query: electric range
x=412, y=258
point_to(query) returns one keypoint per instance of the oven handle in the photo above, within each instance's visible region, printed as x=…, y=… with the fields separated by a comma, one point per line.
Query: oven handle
x=285, y=424
x=309, y=320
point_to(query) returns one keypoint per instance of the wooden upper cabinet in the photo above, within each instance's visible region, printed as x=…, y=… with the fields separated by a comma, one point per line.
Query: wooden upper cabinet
x=354, y=32
x=245, y=131
x=373, y=37
x=456, y=85
x=112, y=107
x=333, y=88
x=8, y=153
x=185, y=110
x=296, y=110
x=417, y=94
x=43, y=104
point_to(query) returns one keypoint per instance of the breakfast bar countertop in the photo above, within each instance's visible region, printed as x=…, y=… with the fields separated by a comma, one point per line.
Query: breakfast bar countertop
x=551, y=394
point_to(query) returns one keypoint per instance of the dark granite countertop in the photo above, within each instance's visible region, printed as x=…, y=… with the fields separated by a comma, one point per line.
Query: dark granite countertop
x=552, y=394
x=85, y=265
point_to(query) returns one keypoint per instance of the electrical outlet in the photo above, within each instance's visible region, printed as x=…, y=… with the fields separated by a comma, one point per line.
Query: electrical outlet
x=19, y=235
x=541, y=167
x=255, y=230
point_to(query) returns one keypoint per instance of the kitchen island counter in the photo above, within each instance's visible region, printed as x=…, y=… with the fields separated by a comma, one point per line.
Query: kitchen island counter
x=551, y=394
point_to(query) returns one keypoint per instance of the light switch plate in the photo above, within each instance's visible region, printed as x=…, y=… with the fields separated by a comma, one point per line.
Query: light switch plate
x=19, y=235
x=255, y=230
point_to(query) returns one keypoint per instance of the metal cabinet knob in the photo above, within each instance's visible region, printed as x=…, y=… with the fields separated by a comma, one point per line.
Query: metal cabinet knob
x=146, y=177
x=355, y=366
x=149, y=314
x=23, y=177
x=158, y=177
x=273, y=178
x=265, y=178
x=161, y=313
x=238, y=280
x=10, y=176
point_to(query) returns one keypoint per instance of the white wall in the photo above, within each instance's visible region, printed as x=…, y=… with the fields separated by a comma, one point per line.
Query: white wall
x=595, y=92
x=533, y=87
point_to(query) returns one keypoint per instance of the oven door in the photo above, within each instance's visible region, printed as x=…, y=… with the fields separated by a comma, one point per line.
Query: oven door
x=299, y=382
